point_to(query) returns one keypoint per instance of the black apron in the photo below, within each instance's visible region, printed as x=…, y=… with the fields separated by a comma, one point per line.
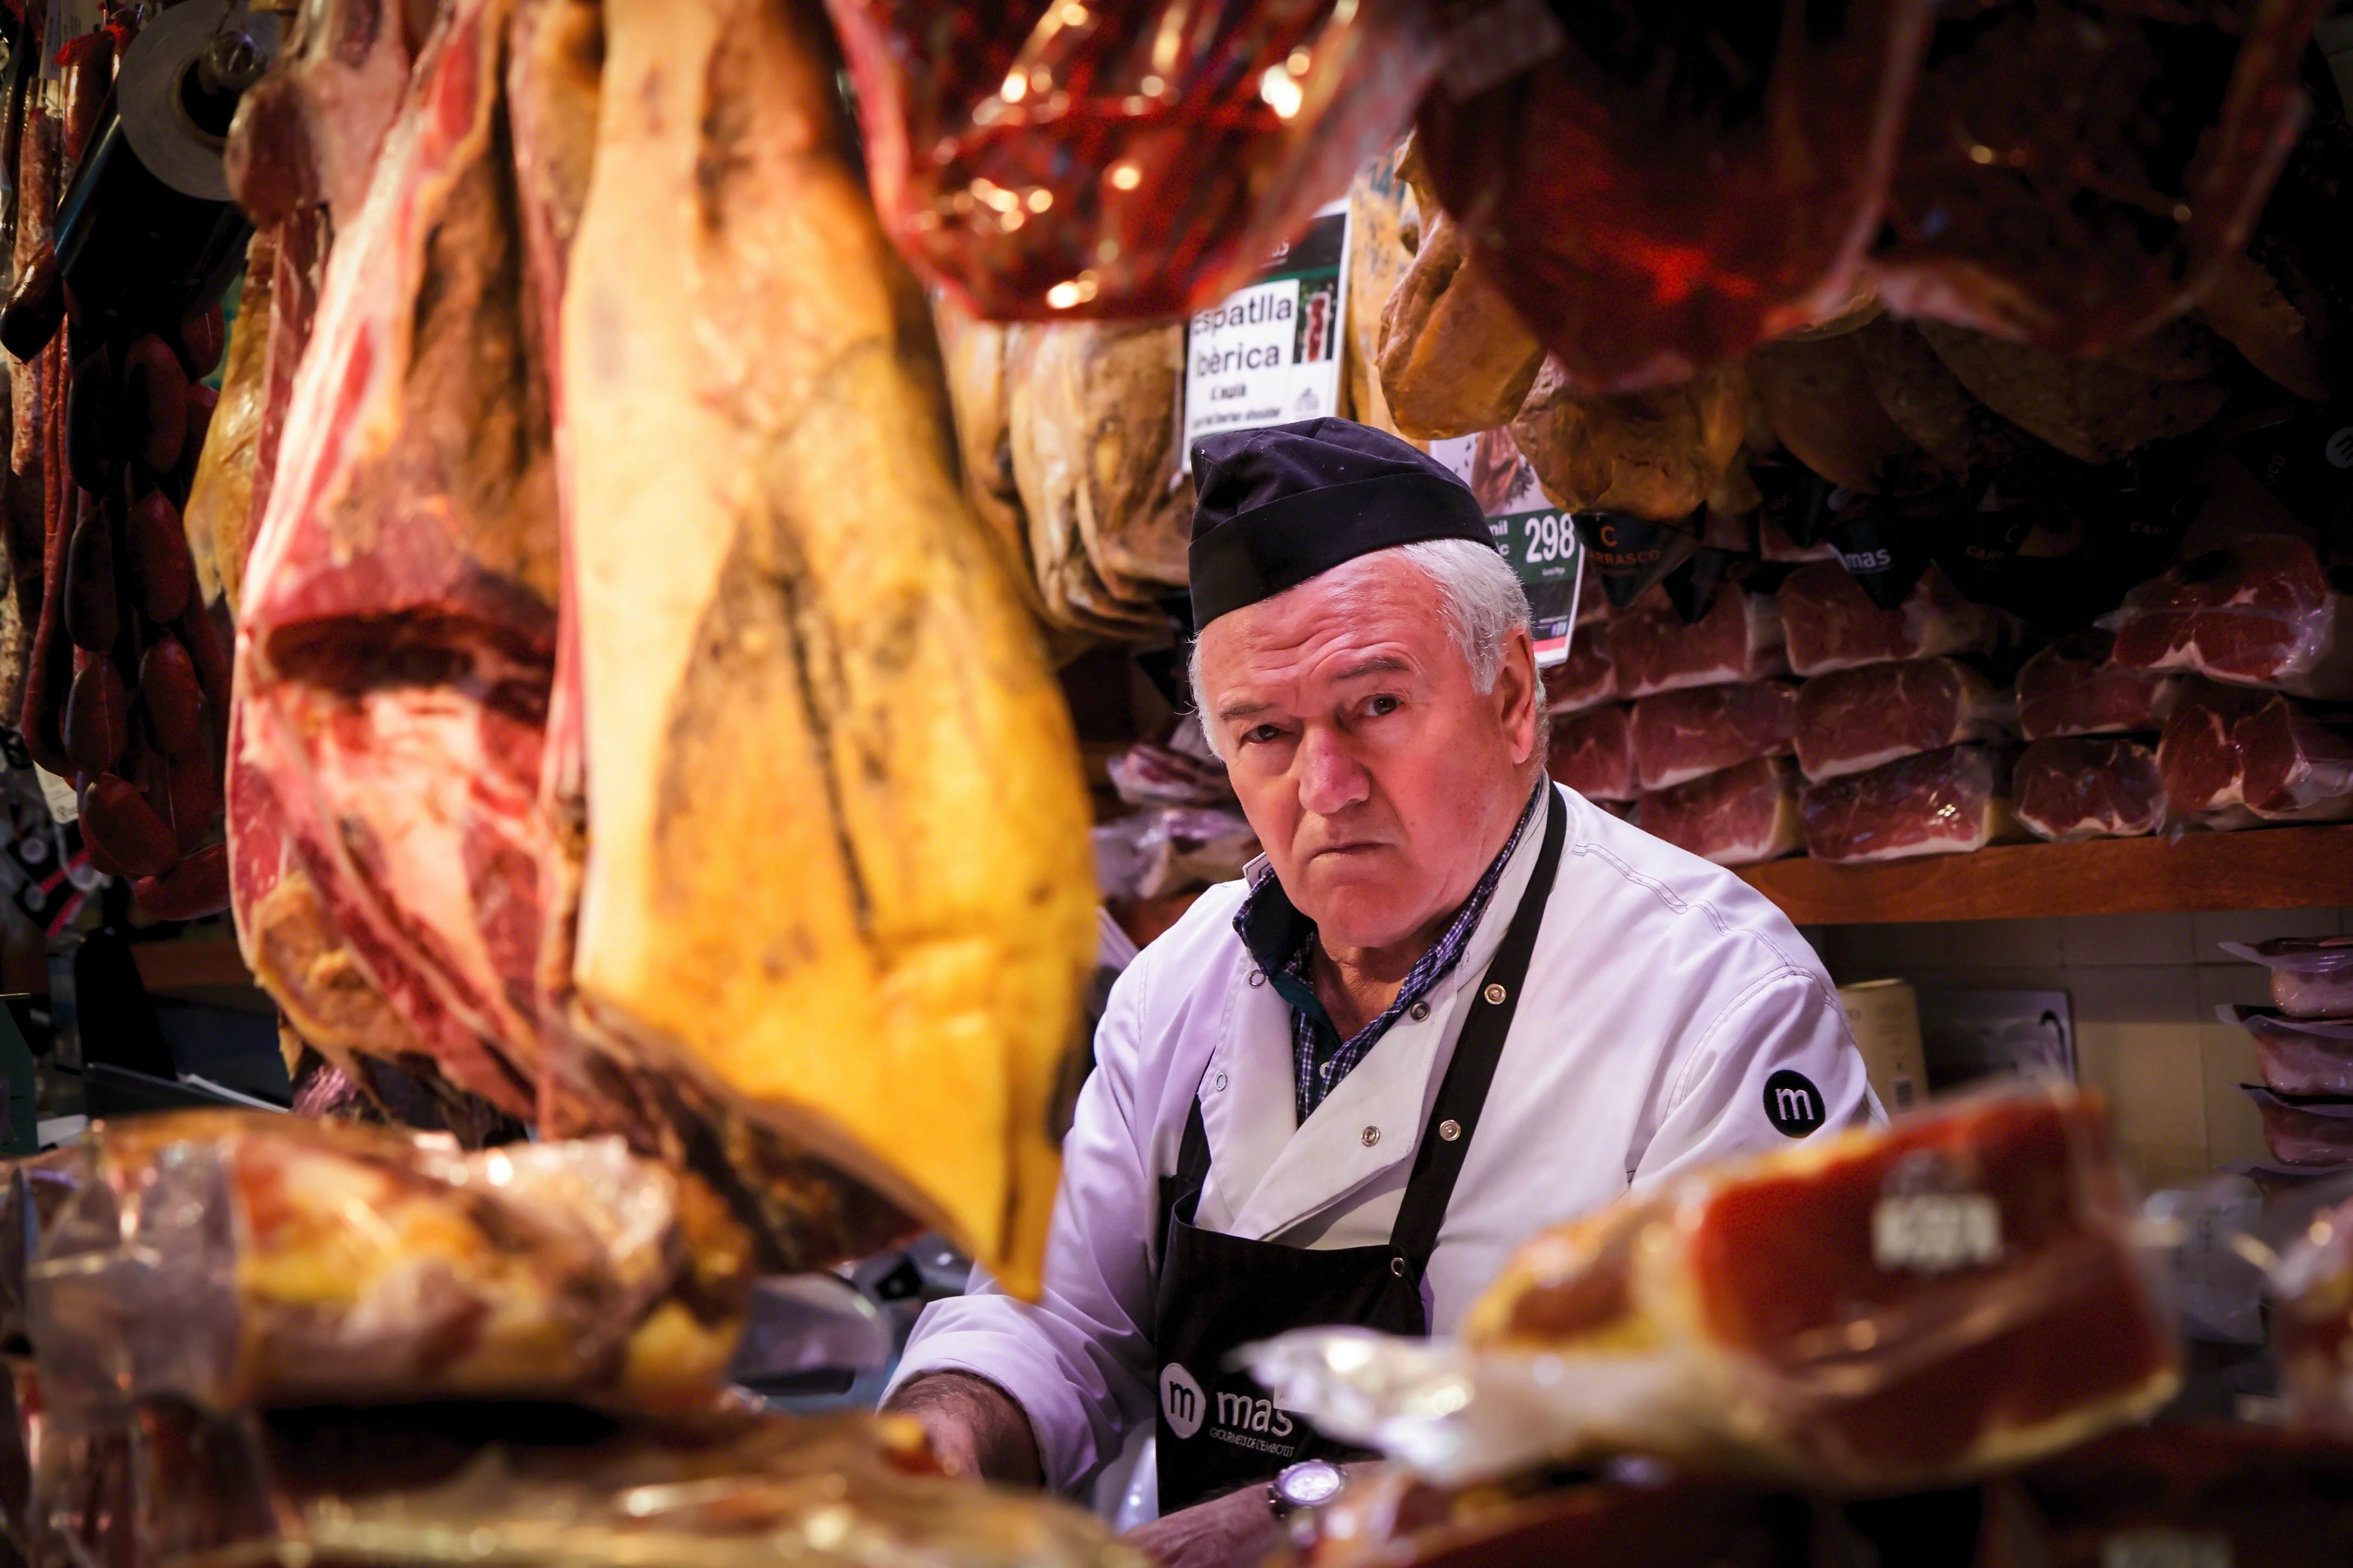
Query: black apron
x=1218, y=1430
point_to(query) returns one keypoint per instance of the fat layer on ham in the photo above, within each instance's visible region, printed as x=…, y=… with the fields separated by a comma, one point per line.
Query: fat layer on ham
x=1852, y=720
x=1940, y=803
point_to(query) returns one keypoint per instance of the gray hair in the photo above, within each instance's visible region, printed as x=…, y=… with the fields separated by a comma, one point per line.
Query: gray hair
x=1483, y=602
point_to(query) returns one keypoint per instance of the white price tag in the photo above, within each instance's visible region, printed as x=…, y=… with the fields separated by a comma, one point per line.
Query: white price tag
x=1935, y=1233
x=58, y=794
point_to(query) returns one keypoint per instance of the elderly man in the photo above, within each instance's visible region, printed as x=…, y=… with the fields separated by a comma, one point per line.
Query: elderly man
x=1452, y=1004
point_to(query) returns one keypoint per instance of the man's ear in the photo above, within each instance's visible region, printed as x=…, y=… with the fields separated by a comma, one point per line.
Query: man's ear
x=1517, y=692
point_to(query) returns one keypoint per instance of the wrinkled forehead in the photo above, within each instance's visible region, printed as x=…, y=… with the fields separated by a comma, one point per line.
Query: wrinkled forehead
x=1378, y=602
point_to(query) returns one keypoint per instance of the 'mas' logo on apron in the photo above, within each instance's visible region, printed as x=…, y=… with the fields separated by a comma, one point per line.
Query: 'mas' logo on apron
x=1181, y=1400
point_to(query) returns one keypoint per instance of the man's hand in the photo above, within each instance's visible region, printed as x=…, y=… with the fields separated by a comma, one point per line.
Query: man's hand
x=1231, y=1531
x=976, y=1427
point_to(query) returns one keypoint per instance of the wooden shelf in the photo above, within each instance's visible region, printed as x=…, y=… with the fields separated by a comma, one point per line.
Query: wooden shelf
x=2266, y=868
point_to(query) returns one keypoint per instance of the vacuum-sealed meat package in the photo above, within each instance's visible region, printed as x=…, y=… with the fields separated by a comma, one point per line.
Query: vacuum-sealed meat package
x=2312, y=977
x=1889, y=1308
x=2074, y=687
x=1739, y=816
x=239, y=1259
x=1832, y=623
x=2232, y=758
x=1852, y=720
x=1654, y=650
x=1042, y=161
x=1940, y=803
x=2263, y=612
x=2087, y=786
x=2298, y=1056
x=1681, y=735
x=1586, y=679
x=2199, y=758
x=2306, y=1130
x=1593, y=754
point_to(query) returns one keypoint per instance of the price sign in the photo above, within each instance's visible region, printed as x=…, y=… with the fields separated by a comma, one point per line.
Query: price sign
x=1535, y=536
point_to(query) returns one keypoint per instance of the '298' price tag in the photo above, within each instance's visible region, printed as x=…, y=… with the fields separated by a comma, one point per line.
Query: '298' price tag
x=1935, y=1233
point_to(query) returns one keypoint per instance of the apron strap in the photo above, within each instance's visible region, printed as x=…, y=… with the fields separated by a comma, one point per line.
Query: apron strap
x=1439, y=1159
x=1185, y=1182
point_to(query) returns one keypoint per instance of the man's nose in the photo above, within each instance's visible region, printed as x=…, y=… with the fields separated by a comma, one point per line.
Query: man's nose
x=1331, y=780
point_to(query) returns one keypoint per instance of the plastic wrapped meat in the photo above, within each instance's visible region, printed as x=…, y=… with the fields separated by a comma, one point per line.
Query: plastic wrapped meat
x=2313, y=1131
x=1896, y=1307
x=1586, y=679
x=1593, y=754
x=2074, y=687
x=2073, y=173
x=237, y=1259
x=1853, y=719
x=1739, y=816
x=1940, y=803
x=2298, y=1056
x=2312, y=977
x=2093, y=786
x=1679, y=735
x=2232, y=758
x=1832, y=623
x=1040, y=160
x=507, y=1487
x=2181, y=1493
x=2263, y=612
x=1737, y=641
x=1670, y=186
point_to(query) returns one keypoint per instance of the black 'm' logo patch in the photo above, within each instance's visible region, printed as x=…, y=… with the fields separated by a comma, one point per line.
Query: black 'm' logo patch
x=1792, y=1103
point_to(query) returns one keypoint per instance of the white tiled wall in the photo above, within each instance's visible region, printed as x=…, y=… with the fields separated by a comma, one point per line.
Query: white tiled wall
x=2144, y=988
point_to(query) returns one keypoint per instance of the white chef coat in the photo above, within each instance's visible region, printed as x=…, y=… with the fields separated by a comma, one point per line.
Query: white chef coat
x=1663, y=994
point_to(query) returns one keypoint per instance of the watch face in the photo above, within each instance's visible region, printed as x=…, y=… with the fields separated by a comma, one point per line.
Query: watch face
x=1309, y=1484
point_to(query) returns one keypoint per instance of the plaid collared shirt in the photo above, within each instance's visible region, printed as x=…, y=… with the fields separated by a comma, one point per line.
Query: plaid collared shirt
x=1283, y=942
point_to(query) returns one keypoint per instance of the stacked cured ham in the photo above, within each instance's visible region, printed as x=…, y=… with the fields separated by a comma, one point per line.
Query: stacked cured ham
x=601, y=645
x=2089, y=768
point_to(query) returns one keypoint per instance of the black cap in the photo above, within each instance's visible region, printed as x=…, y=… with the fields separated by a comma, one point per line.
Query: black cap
x=1282, y=504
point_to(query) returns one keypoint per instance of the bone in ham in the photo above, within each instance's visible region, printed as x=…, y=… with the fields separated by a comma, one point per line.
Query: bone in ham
x=1853, y=719
x=1679, y=735
x=1951, y=802
x=1593, y=754
x=2074, y=687
x=2088, y=786
x=1654, y=649
x=1832, y=623
x=1738, y=817
x=2263, y=612
x=837, y=876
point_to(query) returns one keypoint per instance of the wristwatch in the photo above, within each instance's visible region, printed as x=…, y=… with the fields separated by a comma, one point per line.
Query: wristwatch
x=1311, y=1483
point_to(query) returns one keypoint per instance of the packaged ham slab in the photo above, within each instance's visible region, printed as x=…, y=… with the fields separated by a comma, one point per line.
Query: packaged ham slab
x=1904, y=1305
x=2312, y=977
x=1853, y=719
x=2232, y=758
x=2074, y=687
x=1738, y=817
x=2263, y=612
x=2090, y=786
x=2305, y=1129
x=1586, y=679
x=1832, y=623
x=1940, y=803
x=1654, y=650
x=1593, y=754
x=1679, y=735
x=2197, y=754
x=2298, y=1056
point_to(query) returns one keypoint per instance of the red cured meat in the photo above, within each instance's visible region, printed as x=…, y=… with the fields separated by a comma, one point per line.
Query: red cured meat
x=2088, y=787
x=1593, y=754
x=1739, y=816
x=2074, y=687
x=1675, y=185
x=1679, y=735
x=2305, y=1130
x=1739, y=639
x=1940, y=803
x=397, y=628
x=2198, y=756
x=2299, y=1056
x=1853, y=719
x=2260, y=612
x=1831, y=623
x=2231, y=757
x=1047, y=162
x=1586, y=679
x=2312, y=977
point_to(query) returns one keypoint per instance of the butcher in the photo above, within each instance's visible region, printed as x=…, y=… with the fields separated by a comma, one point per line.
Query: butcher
x=1451, y=1003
